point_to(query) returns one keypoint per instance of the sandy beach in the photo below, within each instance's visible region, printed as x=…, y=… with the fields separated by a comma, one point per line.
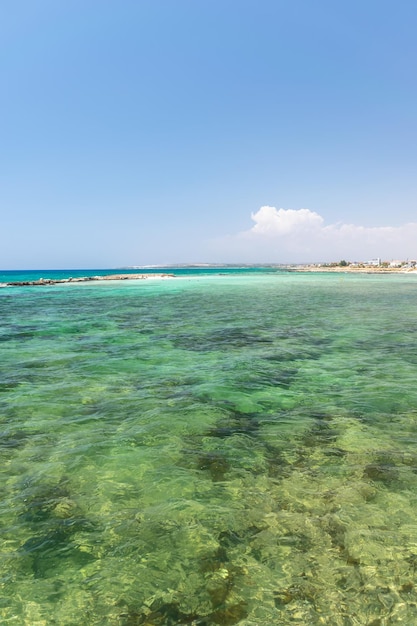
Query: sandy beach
x=353, y=269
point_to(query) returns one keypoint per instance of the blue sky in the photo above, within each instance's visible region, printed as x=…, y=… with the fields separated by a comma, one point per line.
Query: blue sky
x=153, y=132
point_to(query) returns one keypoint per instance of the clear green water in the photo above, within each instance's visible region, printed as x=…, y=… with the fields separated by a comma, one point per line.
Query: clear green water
x=214, y=450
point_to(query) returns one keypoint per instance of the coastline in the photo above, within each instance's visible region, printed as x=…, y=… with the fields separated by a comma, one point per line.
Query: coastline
x=31, y=281
x=351, y=270
x=83, y=279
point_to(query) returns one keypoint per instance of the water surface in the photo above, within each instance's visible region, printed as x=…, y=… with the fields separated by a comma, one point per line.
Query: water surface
x=236, y=449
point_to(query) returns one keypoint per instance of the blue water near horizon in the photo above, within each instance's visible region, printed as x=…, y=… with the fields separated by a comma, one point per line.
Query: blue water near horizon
x=239, y=448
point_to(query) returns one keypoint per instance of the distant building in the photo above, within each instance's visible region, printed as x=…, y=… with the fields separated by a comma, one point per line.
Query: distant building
x=375, y=262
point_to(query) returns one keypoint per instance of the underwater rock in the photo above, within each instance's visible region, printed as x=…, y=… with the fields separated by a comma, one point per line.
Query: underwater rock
x=216, y=464
x=54, y=519
x=65, y=508
x=223, y=339
x=40, y=501
x=13, y=440
x=49, y=552
x=319, y=434
x=213, y=562
x=167, y=614
x=278, y=466
x=236, y=422
x=281, y=598
x=384, y=472
x=229, y=538
x=230, y=615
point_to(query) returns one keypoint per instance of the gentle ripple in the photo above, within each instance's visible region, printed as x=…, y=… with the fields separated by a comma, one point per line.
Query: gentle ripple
x=235, y=449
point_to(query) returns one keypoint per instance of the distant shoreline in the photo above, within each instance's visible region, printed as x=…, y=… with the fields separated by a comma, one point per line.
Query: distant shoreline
x=351, y=270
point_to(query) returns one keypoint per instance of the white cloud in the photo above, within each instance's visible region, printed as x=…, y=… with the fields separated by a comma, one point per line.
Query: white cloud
x=270, y=221
x=291, y=236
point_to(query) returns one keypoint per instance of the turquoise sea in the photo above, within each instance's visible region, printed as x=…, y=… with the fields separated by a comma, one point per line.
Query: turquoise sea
x=229, y=446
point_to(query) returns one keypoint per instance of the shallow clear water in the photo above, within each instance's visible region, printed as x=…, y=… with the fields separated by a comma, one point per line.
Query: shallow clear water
x=234, y=449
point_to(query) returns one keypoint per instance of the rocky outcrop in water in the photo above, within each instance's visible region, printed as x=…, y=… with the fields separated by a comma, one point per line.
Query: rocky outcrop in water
x=83, y=279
